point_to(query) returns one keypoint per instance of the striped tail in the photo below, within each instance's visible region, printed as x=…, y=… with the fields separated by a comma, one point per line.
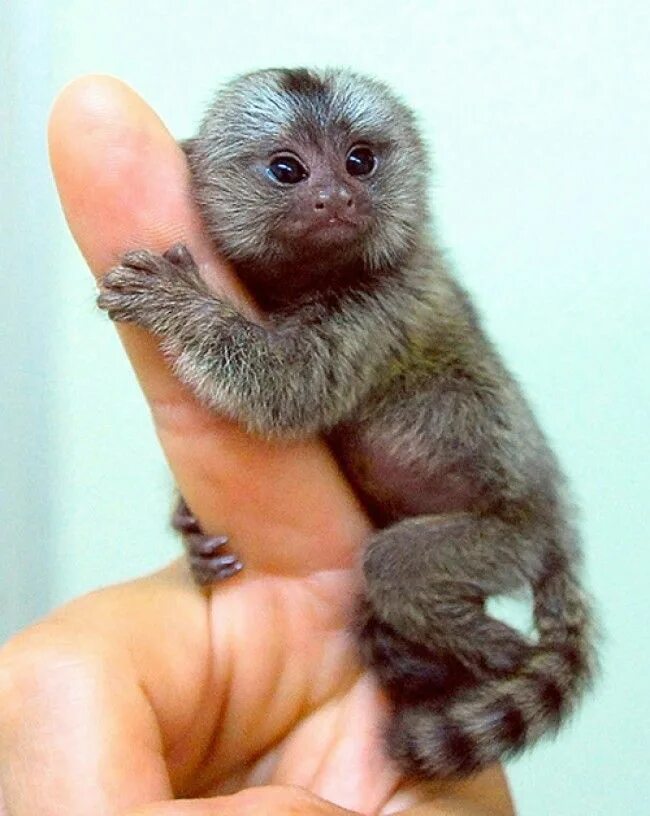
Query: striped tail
x=501, y=717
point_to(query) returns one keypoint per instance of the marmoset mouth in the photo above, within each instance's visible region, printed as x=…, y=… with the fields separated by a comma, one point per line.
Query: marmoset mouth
x=333, y=224
x=333, y=230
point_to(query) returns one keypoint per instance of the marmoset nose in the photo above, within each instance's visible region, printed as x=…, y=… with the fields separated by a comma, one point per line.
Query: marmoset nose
x=334, y=202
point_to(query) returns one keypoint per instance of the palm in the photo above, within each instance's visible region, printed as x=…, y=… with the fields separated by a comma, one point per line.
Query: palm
x=298, y=711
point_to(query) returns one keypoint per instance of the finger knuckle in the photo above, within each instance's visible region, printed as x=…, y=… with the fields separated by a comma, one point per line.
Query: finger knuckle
x=40, y=665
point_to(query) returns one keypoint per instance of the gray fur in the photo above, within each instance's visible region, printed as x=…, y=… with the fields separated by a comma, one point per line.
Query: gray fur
x=374, y=344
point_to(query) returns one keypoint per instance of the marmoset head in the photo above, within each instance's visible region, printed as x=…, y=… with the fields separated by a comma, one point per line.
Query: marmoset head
x=310, y=171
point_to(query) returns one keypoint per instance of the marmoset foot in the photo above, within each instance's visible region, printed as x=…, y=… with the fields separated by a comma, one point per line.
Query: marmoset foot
x=206, y=563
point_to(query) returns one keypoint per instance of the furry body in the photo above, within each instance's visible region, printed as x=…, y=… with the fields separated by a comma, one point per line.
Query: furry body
x=371, y=342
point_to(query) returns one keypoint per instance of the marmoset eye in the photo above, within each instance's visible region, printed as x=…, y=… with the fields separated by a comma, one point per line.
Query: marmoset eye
x=360, y=161
x=287, y=169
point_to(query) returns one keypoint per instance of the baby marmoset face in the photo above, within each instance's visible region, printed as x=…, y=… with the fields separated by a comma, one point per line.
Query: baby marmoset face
x=298, y=171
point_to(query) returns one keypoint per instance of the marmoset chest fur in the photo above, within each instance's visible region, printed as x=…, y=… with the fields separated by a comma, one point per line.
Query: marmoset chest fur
x=314, y=185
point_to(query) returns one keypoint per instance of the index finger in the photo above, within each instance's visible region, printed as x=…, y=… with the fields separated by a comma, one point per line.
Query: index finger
x=124, y=184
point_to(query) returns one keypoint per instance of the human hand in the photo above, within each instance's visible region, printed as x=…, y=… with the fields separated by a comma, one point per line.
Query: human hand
x=156, y=699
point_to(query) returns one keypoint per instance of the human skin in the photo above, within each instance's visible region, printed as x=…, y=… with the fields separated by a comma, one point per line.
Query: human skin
x=240, y=701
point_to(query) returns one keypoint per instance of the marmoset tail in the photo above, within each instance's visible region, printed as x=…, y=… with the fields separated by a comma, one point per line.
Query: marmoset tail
x=314, y=185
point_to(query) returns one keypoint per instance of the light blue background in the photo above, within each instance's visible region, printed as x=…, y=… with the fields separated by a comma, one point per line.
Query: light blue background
x=539, y=115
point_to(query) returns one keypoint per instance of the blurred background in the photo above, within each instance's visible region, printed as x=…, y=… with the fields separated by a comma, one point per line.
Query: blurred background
x=538, y=114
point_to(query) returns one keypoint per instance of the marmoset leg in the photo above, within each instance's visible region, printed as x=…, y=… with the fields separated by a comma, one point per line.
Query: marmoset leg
x=423, y=621
x=426, y=582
